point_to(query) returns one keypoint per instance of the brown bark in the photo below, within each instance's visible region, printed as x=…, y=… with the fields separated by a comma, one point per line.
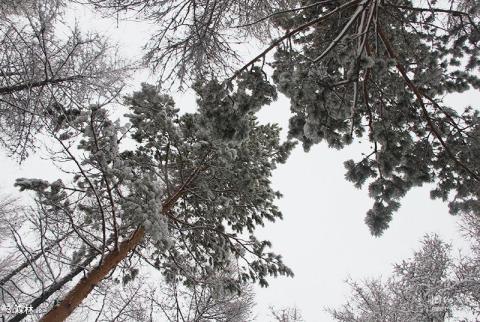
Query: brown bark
x=80, y=291
x=73, y=299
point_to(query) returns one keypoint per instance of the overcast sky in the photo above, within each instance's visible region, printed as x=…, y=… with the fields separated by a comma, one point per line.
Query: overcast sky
x=323, y=237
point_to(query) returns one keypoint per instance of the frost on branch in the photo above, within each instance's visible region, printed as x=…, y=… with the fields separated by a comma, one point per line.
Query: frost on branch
x=196, y=187
x=231, y=158
x=31, y=184
x=433, y=285
x=377, y=72
x=45, y=77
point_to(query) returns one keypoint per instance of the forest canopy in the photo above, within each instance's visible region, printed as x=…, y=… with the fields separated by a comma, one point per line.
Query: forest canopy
x=184, y=193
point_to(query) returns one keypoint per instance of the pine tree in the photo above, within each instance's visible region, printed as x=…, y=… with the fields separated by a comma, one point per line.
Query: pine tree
x=195, y=186
x=187, y=197
x=374, y=70
x=379, y=69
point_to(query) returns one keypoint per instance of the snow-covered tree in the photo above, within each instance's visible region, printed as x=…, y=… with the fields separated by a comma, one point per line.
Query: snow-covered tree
x=193, y=39
x=188, y=196
x=143, y=296
x=287, y=314
x=206, y=299
x=36, y=259
x=379, y=69
x=186, y=199
x=36, y=269
x=352, y=69
x=431, y=286
x=47, y=70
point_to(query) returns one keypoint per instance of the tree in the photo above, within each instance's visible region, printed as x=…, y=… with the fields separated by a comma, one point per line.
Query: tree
x=381, y=70
x=130, y=295
x=196, y=39
x=46, y=75
x=145, y=297
x=195, y=184
x=186, y=199
x=206, y=299
x=10, y=214
x=289, y=314
x=431, y=286
x=37, y=258
x=361, y=68
x=467, y=268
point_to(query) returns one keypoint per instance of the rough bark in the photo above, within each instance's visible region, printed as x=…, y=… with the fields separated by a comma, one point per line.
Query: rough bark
x=73, y=299
x=76, y=295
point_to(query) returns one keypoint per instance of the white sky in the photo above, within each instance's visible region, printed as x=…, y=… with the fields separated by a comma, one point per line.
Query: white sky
x=323, y=237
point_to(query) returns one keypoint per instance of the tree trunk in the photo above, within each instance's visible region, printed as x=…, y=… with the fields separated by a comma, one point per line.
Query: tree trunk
x=73, y=299
x=20, y=87
x=86, y=284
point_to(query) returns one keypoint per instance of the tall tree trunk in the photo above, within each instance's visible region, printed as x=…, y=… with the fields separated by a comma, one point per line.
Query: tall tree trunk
x=86, y=284
x=76, y=295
